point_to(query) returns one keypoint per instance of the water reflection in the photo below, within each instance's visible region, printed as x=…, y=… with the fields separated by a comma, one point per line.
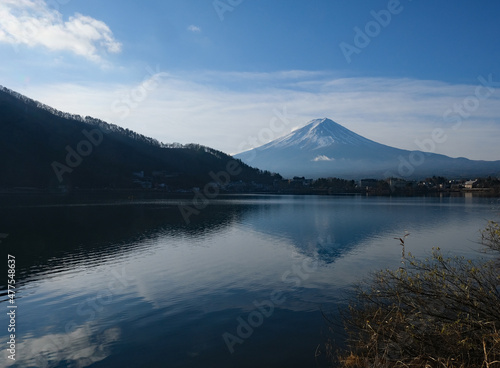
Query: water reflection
x=130, y=284
x=81, y=347
x=57, y=237
x=328, y=227
x=53, y=238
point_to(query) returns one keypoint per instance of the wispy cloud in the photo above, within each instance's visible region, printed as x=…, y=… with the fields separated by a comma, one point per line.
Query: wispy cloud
x=33, y=23
x=222, y=110
x=194, y=28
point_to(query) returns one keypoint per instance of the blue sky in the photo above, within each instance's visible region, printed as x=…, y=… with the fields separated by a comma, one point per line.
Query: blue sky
x=220, y=72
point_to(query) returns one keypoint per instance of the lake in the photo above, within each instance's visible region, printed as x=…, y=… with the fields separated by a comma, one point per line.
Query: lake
x=126, y=282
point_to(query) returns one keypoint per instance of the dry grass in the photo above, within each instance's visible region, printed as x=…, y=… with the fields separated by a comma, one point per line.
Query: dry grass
x=440, y=312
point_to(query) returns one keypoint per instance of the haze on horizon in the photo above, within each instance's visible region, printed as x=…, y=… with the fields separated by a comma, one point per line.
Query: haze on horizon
x=236, y=74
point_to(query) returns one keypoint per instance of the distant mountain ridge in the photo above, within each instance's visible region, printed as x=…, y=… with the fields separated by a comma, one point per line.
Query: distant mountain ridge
x=324, y=148
x=41, y=147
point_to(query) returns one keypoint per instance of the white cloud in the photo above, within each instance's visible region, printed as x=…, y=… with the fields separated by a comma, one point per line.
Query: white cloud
x=33, y=23
x=226, y=110
x=194, y=28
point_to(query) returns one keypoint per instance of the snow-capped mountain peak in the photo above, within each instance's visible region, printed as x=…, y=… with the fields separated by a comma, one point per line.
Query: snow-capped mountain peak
x=318, y=133
x=323, y=148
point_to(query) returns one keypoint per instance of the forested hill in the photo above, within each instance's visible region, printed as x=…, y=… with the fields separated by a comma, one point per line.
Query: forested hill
x=44, y=148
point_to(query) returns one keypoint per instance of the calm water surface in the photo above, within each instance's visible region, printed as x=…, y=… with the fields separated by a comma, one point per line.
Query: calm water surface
x=127, y=283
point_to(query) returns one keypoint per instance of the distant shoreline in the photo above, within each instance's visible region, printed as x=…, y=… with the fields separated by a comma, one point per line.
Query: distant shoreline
x=158, y=194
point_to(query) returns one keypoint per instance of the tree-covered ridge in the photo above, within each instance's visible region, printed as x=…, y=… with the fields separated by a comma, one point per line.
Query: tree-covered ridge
x=54, y=150
x=107, y=127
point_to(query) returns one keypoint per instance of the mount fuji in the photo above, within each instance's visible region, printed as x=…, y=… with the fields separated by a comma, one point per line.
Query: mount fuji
x=324, y=148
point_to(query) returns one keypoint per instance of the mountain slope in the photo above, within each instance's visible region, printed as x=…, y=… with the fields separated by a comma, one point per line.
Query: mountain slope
x=324, y=148
x=41, y=147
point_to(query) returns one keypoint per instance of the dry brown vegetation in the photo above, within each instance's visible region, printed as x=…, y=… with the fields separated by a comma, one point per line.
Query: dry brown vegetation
x=439, y=312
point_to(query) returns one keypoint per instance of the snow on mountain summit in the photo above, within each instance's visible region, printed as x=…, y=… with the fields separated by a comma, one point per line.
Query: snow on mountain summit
x=318, y=133
x=323, y=148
